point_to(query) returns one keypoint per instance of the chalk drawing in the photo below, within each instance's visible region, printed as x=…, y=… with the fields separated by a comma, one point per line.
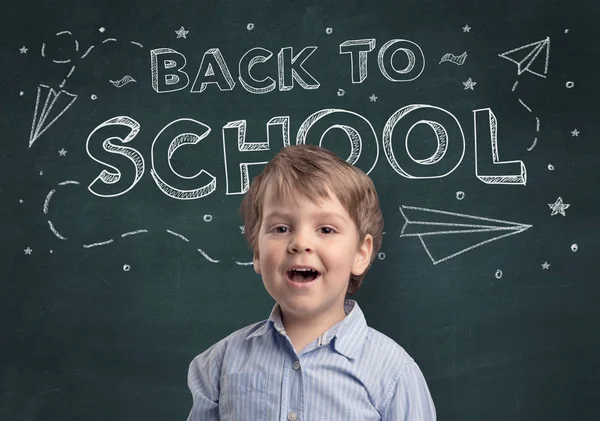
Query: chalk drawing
x=466, y=28
x=524, y=105
x=498, y=274
x=62, y=152
x=127, y=234
x=123, y=81
x=341, y=92
x=574, y=247
x=250, y=26
x=551, y=167
x=570, y=84
x=451, y=58
x=126, y=268
x=469, y=84
x=427, y=223
x=28, y=250
x=207, y=257
x=329, y=31
x=23, y=50
x=575, y=133
x=526, y=64
x=102, y=243
x=182, y=33
x=373, y=98
x=381, y=256
x=460, y=195
x=533, y=145
x=546, y=266
x=558, y=207
x=57, y=102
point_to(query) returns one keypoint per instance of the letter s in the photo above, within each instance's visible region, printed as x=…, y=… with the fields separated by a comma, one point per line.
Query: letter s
x=100, y=145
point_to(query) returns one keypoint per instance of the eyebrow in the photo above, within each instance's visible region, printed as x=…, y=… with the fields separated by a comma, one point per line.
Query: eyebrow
x=278, y=214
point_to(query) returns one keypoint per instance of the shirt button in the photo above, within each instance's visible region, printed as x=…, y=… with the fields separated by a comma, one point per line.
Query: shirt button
x=296, y=365
x=292, y=416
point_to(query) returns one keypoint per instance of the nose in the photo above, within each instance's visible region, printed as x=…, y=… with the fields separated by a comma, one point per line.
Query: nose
x=299, y=242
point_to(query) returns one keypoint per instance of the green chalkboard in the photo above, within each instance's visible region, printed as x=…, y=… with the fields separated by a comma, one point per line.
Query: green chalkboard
x=130, y=132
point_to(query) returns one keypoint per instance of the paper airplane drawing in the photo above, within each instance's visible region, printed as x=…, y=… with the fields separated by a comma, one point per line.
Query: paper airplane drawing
x=447, y=231
x=526, y=57
x=55, y=105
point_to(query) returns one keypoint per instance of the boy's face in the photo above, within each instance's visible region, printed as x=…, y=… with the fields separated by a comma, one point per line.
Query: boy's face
x=300, y=233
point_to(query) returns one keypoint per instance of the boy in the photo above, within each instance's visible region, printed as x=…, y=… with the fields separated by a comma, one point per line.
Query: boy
x=315, y=226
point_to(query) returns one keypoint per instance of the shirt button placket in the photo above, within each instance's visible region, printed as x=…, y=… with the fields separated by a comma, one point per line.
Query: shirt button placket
x=292, y=416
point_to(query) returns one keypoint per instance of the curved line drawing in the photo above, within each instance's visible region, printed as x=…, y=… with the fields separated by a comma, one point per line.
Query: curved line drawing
x=47, y=201
x=537, y=124
x=103, y=243
x=88, y=51
x=54, y=231
x=524, y=105
x=109, y=40
x=515, y=86
x=64, y=183
x=243, y=263
x=123, y=81
x=133, y=233
x=137, y=43
x=64, y=32
x=207, y=257
x=532, y=146
x=178, y=235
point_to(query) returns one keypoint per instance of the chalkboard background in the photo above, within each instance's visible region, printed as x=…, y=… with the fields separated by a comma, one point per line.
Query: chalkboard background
x=107, y=293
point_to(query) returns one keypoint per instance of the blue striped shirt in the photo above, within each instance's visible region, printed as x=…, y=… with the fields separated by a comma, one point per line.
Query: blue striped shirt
x=351, y=372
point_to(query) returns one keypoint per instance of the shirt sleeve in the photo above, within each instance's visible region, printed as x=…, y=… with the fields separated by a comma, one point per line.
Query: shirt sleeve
x=203, y=381
x=410, y=400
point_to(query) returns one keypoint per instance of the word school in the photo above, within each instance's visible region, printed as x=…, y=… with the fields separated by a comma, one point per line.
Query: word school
x=124, y=165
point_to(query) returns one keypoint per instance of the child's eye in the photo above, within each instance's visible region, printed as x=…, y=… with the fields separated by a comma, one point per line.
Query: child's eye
x=279, y=228
x=327, y=230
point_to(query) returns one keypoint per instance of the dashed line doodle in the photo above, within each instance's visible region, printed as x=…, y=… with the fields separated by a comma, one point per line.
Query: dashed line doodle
x=439, y=228
x=533, y=145
x=207, y=218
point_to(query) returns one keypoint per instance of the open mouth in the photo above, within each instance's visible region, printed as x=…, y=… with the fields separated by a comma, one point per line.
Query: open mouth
x=302, y=275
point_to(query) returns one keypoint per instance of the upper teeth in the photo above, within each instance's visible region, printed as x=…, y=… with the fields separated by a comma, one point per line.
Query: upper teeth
x=304, y=269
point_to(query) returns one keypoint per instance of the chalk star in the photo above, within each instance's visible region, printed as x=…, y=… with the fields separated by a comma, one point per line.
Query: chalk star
x=23, y=50
x=575, y=133
x=28, y=250
x=545, y=265
x=181, y=33
x=62, y=152
x=469, y=84
x=466, y=28
x=373, y=98
x=558, y=207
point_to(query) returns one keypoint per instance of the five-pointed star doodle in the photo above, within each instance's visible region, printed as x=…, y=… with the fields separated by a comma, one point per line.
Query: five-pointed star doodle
x=181, y=33
x=62, y=152
x=545, y=265
x=466, y=28
x=469, y=84
x=23, y=50
x=373, y=98
x=575, y=133
x=558, y=207
x=28, y=250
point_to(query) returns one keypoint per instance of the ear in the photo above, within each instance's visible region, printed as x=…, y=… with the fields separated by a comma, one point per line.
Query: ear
x=256, y=261
x=363, y=256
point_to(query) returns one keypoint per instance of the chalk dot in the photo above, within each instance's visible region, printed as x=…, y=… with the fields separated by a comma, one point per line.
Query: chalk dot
x=250, y=26
x=574, y=247
x=341, y=92
x=20, y=200
x=21, y=93
x=570, y=84
x=126, y=268
x=94, y=97
x=329, y=31
x=551, y=167
x=102, y=29
x=41, y=172
x=381, y=256
x=498, y=274
x=460, y=195
x=566, y=31
x=51, y=251
x=208, y=218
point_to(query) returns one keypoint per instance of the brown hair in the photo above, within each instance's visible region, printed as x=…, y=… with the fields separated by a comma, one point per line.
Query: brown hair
x=310, y=170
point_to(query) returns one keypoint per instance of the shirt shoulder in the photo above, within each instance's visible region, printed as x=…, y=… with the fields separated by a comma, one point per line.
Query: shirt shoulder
x=386, y=361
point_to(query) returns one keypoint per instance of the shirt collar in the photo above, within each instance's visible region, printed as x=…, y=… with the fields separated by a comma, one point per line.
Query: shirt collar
x=348, y=335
